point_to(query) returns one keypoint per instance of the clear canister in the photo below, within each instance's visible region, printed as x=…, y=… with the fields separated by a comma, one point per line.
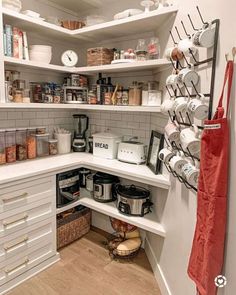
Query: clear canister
x=2, y=147
x=52, y=143
x=10, y=145
x=41, y=130
x=31, y=143
x=42, y=145
x=21, y=144
x=135, y=94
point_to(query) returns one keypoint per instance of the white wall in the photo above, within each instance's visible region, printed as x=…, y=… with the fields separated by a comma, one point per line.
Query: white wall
x=178, y=210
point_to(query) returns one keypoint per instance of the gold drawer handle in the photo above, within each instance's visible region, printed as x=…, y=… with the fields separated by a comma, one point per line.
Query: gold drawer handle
x=24, y=240
x=5, y=223
x=24, y=195
x=18, y=266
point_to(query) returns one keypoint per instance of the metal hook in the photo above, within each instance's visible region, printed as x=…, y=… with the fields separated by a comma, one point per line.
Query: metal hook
x=181, y=116
x=178, y=33
x=195, y=88
x=192, y=23
x=191, y=156
x=166, y=141
x=181, y=93
x=191, y=52
x=173, y=39
x=187, y=34
x=179, y=63
x=188, y=64
x=185, y=86
x=190, y=122
x=170, y=117
x=173, y=64
x=173, y=89
x=205, y=23
x=168, y=90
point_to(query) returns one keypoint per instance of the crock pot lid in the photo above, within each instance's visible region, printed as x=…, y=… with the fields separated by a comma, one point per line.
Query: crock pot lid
x=105, y=178
x=132, y=191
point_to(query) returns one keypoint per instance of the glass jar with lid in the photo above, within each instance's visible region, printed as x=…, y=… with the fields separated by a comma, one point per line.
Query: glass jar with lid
x=21, y=144
x=53, y=146
x=31, y=143
x=141, y=50
x=154, y=48
x=135, y=94
x=2, y=147
x=10, y=145
x=42, y=145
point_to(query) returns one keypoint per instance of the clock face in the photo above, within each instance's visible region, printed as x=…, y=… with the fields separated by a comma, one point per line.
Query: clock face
x=69, y=58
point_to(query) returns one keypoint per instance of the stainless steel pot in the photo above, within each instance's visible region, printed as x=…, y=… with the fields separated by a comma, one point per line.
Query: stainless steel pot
x=103, y=187
x=133, y=200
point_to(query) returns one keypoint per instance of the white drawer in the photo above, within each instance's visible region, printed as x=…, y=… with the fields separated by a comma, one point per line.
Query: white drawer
x=22, y=240
x=25, y=261
x=23, y=217
x=26, y=192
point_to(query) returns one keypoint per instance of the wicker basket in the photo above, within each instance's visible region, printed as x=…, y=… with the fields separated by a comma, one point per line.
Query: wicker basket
x=73, y=226
x=99, y=56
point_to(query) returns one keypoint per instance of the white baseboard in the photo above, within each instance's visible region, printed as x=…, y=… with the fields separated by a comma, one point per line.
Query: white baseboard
x=29, y=274
x=165, y=290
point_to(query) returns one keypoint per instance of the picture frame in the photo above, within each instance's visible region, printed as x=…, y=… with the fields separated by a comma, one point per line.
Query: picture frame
x=155, y=145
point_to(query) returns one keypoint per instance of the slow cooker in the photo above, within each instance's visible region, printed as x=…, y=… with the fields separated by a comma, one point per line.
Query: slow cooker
x=133, y=200
x=104, y=186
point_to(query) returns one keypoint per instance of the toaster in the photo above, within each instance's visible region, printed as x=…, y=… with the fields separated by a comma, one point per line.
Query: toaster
x=133, y=152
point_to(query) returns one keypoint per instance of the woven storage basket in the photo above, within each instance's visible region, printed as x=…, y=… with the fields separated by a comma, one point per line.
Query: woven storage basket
x=99, y=56
x=73, y=226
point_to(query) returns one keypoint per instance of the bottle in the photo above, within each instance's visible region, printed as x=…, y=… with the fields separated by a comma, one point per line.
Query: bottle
x=99, y=94
x=154, y=48
x=109, y=92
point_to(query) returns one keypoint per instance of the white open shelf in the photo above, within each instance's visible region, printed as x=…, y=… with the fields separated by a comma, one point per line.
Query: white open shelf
x=156, y=65
x=141, y=23
x=148, y=222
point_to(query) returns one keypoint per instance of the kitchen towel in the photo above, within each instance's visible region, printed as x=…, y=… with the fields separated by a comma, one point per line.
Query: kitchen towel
x=206, y=259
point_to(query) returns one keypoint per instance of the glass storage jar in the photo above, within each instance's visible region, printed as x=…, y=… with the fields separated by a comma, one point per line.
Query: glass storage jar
x=31, y=143
x=2, y=147
x=141, y=50
x=10, y=145
x=41, y=130
x=21, y=144
x=42, y=145
x=135, y=94
x=53, y=146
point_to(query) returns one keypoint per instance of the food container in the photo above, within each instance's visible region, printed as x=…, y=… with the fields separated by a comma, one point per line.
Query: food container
x=19, y=84
x=99, y=56
x=21, y=144
x=18, y=95
x=53, y=146
x=135, y=94
x=105, y=145
x=2, y=147
x=31, y=143
x=42, y=145
x=10, y=145
x=72, y=24
x=64, y=142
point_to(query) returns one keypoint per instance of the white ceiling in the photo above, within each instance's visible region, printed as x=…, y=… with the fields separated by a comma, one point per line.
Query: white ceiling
x=79, y=6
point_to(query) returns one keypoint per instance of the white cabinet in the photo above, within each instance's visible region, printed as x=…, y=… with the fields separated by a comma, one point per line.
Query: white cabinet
x=27, y=229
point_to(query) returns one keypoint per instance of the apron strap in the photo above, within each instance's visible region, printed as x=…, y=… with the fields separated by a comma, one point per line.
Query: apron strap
x=228, y=77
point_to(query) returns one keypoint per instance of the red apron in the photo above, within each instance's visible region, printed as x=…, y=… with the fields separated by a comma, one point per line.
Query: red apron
x=206, y=259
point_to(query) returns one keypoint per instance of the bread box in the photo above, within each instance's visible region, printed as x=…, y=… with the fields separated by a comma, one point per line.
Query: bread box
x=105, y=145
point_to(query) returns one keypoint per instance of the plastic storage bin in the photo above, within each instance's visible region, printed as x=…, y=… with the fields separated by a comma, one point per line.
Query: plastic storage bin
x=10, y=145
x=21, y=144
x=2, y=147
x=42, y=145
x=31, y=143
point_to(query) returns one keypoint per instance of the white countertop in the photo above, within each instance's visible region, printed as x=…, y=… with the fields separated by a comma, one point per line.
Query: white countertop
x=56, y=164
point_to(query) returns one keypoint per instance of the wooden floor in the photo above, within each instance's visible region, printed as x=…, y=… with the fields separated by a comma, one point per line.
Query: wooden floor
x=85, y=268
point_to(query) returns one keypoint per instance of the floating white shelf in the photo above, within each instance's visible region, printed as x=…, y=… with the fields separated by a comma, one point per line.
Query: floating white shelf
x=156, y=65
x=145, y=109
x=149, y=222
x=141, y=23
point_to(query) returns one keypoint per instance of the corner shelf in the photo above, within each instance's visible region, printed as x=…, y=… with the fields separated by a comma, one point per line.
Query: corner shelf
x=140, y=23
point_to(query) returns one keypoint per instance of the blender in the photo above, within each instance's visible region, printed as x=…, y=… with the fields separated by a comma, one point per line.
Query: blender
x=81, y=126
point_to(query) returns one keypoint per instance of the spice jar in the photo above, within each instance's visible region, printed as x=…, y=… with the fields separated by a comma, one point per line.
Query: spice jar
x=31, y=143
x=135, y=94
x=52, y=143
x=21, y=144
x=2, y=147
x=42, y=145
x=10, y=145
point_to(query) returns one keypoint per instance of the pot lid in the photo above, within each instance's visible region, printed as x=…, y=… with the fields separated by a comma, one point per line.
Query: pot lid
x=105, y=178
x=132, y=191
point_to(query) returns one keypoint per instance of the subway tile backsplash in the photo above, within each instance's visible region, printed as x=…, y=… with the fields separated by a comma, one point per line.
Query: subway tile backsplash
x=128, y=124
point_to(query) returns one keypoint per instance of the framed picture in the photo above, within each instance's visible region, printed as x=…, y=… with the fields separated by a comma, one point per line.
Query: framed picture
x=156, y=144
